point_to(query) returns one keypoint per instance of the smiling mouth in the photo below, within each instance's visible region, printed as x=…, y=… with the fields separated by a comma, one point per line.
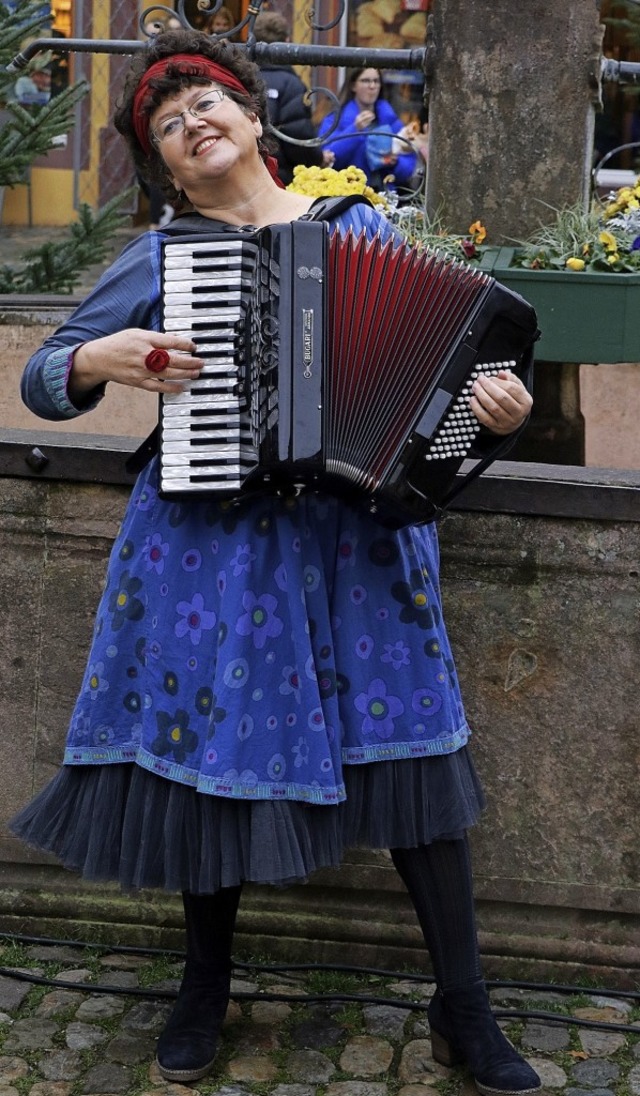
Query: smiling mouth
x=206, y=143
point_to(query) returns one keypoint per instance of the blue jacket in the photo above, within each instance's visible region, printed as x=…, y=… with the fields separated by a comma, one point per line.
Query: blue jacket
x=350, y=145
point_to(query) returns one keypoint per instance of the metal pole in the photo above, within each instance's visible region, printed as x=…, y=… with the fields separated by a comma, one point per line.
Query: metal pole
x=277, y=53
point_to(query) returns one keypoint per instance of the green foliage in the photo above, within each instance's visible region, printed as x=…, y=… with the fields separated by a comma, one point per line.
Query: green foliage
x=596, y=239
x=55, y=267
x=27, y=131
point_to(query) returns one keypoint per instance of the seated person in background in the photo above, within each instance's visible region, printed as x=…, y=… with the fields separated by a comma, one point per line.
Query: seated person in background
x=288, y=110
x=33, y=88
x=365, y=130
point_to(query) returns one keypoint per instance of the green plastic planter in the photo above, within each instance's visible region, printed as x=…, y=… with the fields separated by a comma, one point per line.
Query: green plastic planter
x=583, y=316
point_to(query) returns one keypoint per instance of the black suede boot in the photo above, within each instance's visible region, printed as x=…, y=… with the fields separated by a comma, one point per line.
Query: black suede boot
x=187, y=1047
x=464, y=1031
x=463, y=1027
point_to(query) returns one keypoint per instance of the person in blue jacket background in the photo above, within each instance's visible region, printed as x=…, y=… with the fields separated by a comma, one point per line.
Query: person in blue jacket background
x=363, y=136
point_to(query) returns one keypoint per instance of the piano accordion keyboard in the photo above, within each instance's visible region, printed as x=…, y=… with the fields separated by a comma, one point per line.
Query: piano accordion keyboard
x=206, y=435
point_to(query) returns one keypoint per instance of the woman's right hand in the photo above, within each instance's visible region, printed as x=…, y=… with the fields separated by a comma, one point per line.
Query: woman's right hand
x=121, y=358
x=365, y=118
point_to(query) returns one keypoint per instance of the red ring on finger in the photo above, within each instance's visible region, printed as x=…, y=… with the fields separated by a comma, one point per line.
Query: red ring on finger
x=156, y=361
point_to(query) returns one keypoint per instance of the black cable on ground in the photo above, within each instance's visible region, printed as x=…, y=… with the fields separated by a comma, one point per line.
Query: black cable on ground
x=414, y=1006
x=317, y=998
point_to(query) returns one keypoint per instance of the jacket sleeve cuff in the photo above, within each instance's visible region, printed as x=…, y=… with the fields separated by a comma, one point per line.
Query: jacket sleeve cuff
x=57, y=368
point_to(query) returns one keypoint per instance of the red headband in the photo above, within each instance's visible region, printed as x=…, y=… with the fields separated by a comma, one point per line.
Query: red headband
x=188, y=64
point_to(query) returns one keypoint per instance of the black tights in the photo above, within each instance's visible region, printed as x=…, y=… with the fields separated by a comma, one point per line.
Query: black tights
x=439, y=881
x=210, y=920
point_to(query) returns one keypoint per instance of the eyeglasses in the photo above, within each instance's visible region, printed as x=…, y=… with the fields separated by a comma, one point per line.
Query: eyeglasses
x=173, y=126
x=368, y=80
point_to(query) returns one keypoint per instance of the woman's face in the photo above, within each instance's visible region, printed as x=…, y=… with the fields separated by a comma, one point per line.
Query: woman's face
x=221, y=140
x=366, y=88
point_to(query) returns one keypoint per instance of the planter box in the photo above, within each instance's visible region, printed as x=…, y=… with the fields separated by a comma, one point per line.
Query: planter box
x=584, y=317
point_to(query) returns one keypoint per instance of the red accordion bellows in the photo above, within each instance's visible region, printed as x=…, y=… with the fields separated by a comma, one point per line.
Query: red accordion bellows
x=394, y=313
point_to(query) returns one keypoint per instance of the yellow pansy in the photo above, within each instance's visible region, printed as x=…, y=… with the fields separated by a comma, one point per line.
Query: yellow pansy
x=609, y=241
x=575, y=264
x=478, y=232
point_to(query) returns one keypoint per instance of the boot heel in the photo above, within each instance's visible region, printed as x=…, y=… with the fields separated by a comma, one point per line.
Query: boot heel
x=442, y=1051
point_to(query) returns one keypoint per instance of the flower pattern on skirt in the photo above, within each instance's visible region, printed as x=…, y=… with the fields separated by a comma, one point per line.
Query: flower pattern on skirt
x=252, y=649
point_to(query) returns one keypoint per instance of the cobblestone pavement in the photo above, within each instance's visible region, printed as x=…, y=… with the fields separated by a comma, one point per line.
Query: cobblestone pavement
x=85, y=1041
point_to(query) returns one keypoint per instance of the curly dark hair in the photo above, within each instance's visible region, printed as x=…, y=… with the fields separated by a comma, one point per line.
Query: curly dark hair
x=152, y=167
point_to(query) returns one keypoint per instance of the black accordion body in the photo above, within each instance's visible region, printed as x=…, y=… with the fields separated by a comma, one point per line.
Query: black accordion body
x=332, y=363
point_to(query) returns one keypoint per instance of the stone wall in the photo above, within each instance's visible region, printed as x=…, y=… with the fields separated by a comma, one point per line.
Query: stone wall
x=542, y=593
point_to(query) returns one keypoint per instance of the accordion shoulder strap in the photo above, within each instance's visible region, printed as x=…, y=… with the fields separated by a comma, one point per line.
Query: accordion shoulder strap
x=323, y=209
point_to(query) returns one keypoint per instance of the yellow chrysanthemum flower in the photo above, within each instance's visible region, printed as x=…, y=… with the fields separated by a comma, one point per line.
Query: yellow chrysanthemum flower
x=326, y=182
x=575, y=264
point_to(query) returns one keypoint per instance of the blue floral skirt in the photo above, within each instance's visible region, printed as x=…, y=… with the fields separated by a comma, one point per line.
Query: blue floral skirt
x=268, y=684
x=256, y=651
x=124, y=824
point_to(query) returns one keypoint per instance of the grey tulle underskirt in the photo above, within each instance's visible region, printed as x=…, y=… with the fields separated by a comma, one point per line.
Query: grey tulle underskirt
x=123, y=824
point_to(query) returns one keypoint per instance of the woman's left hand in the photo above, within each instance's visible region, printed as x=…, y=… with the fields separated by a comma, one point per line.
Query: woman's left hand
x=500, y=403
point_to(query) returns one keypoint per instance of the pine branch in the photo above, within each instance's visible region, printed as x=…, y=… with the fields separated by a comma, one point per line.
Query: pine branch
x=29, y=132
x=56, y=267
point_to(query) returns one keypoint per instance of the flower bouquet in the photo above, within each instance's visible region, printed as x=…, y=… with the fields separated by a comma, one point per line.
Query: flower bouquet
x=326, y=182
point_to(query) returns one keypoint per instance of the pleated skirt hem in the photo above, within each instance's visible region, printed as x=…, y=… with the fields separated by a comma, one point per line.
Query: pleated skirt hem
x=123, y=824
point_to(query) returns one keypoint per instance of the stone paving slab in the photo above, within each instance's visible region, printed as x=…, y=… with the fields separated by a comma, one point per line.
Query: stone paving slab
x=74, y=1041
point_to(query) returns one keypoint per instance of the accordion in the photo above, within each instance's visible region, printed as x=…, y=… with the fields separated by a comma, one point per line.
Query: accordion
x=331, y=363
